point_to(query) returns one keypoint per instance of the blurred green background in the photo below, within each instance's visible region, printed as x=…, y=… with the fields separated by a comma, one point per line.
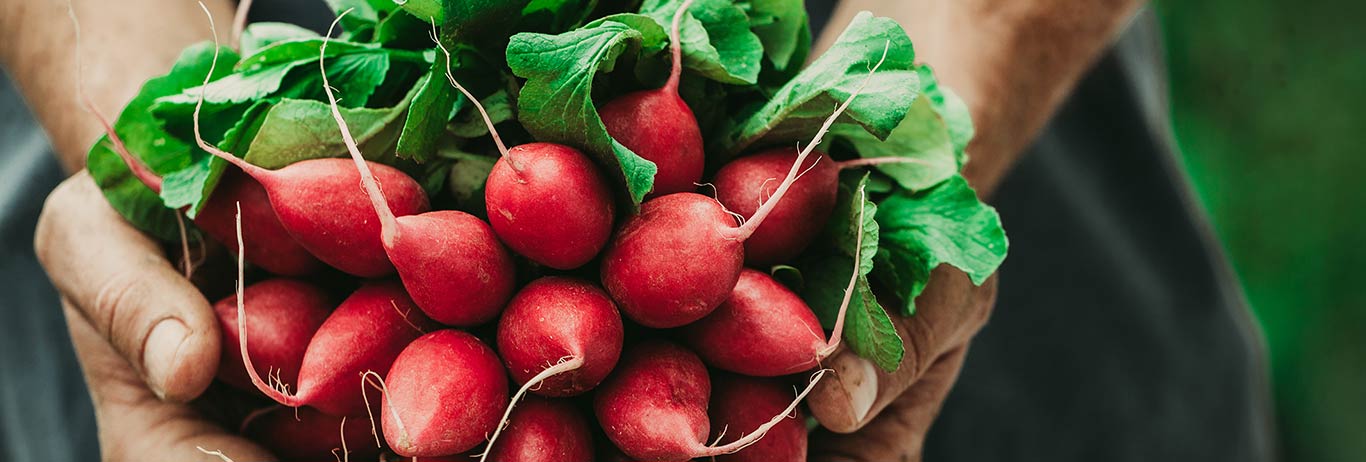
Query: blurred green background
x=1269, y=108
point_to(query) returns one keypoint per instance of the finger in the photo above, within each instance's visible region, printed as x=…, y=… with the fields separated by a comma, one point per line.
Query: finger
x=133, y=423
x=949, y=312
x=898, y=433
x=121, y=282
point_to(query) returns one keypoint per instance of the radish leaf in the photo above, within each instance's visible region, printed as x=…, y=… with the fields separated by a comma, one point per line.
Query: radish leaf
x=717, y=42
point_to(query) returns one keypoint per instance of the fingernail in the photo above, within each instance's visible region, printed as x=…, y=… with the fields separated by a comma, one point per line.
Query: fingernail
x=864, y=393
x=160, y=352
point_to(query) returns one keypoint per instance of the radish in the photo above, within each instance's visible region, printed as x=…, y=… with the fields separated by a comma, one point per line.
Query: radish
x=365, y=333
x=442, y=395
x=307, y=434
x=740, y=402
x=558, y=337
x=272, y=247
x=318, y=203
x=545, y=430
x=285, y=314
x=546, y=201
x=766, y=330
x=654, y=406
x=681, y=256
x=744, y=183
x=658, y=126
x=450, y=261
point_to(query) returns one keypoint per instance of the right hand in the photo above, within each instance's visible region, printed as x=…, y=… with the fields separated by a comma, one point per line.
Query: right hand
x=147, y=340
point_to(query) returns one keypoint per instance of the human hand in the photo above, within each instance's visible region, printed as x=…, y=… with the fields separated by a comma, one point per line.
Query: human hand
x=871, y=415
x=146, y=338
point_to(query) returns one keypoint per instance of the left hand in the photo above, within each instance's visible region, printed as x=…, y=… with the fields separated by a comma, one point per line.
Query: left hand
x=874, y=416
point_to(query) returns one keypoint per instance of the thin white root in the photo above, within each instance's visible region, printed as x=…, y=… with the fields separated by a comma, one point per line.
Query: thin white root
x=566, y=364
x=345, y=454
x=838, y=332
x=188, y=265
x=239, y=23
x=270, y=390
x=497, y=140
x=378, y=383
x=218, y=454
x=744, y=231
x=256, y=172
x=388, y=223
x=758, y=433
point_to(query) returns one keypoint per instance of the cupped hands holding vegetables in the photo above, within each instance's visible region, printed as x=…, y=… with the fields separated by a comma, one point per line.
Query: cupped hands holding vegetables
x=836, y=182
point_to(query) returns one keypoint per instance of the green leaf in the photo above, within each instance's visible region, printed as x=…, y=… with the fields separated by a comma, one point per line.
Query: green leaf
x=946, y=224
x=428, y=115
x=259, y=35
x=798, y=108
x=426, y=10
x=466, y=21
x=716, y=39
x=190, y=187
x=469, y=172
x=149, y=141
x=556, y=103
x=951, y=110
x=779, y=25
x=868, y=329
x=469, y=124
x=555, y=16
x=296, y=130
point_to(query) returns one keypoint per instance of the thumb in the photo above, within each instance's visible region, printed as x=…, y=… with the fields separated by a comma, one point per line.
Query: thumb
x=121, y=282
x=898, y=433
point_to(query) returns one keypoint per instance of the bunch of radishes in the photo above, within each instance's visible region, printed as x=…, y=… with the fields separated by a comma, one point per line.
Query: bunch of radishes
x=644, y=337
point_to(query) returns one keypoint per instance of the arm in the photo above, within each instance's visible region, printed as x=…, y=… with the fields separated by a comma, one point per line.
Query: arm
x=1013, y=63
x=146, y=339
x=125, y=43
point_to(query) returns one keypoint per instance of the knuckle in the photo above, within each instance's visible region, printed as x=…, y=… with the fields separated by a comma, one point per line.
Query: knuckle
x=51, y=221
x=114, y=309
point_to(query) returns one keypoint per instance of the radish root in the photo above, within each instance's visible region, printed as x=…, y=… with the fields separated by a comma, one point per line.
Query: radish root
x=676, y=48
x=239, y=22
x=218, y=454
x=758, y=433
x=838, y=332
x=388, y=223
x=497, y=140
x=283, y=397
x=373, y=379
x=256, y=172
x=566, y=364
x=744, y=231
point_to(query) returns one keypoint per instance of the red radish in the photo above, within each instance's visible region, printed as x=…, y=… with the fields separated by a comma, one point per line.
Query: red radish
x=545, y=430
x=658, y=126
x=558, y=337
x=285, y=314
x=739, y=402
x=546, y=201
x=442, y=395
x=744, y=183
x=451, y=262
x=678, y=259
x=307, y=434
x=272, y=247
x=365, y=333
x=766, y=330
x=318, y=203
x=654, y=406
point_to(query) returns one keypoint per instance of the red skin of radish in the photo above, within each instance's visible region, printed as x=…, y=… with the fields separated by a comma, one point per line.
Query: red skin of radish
x=557, y=211
x=269, y=245
x=448, y=389
x=365, y=333
x=311, y=435
x=739, y=403
x=654, y=406
x=762, y=330
x=553, y=318
x=744, y=183
x=283, y=315
x=673, y=263
x=453, y=266
x=659, y=126
x=544, y=430
x=320, y=203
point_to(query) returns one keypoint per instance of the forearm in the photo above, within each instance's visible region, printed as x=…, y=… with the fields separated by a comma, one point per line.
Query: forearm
x=1012, y=62
x=124, y=43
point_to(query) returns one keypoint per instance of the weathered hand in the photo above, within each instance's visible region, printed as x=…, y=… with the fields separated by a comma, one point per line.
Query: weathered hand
x=146, y=338
x=874, y=416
